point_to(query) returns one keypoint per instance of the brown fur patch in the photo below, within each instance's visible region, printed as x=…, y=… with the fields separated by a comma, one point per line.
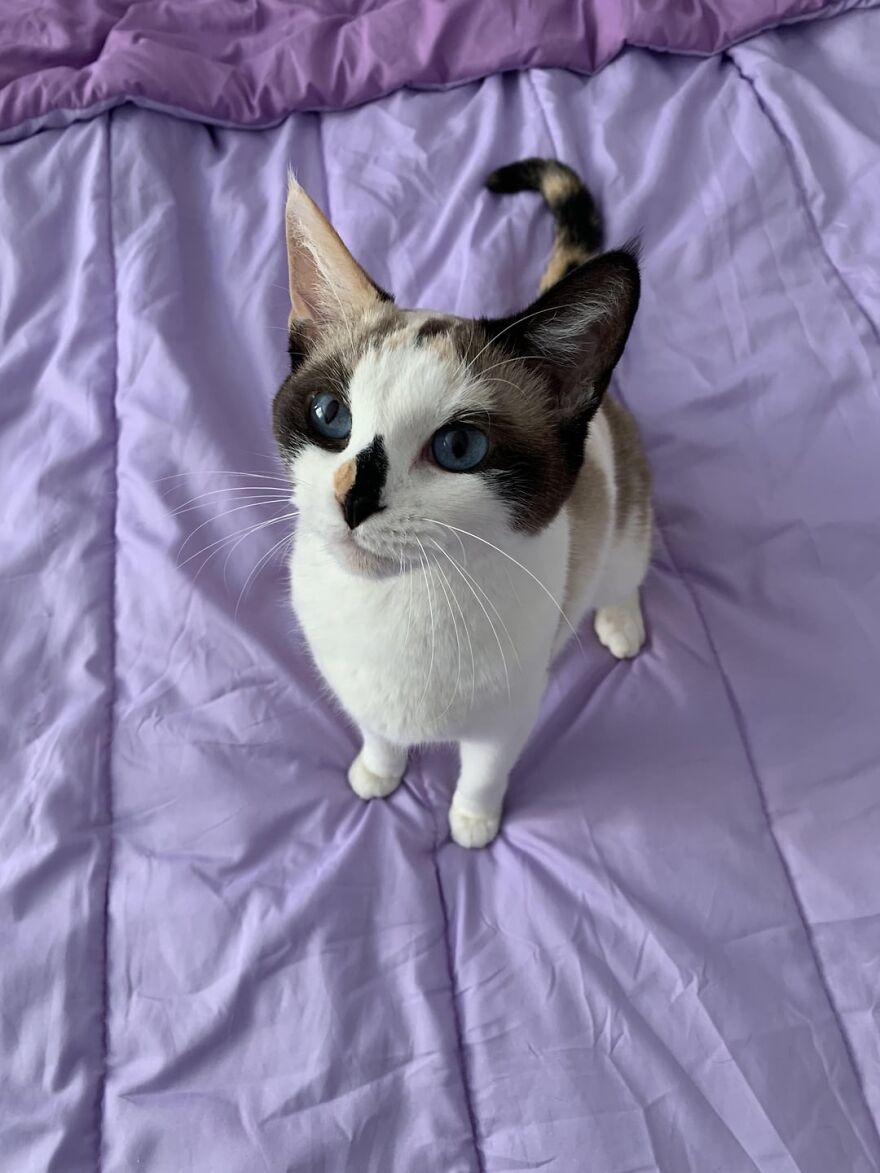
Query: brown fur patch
x=536, y=426
x=558, y=184
x=589, y=508
x=344, y=478
x=433, y=328
x=318, y=371
x=632, y=478
x=563, y=258
x=535, y=455
x=323, y=359
x=529, y=462
x=394, y=337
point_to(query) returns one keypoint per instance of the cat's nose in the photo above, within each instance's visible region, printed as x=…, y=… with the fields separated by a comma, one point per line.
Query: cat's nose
x=358, y=483
x=356, y=509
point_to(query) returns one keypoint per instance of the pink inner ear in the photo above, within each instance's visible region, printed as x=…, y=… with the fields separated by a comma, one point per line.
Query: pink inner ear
x=326, y=282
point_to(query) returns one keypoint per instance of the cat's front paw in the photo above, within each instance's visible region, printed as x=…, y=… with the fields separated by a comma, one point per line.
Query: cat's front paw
x=621, y=629
x=472, y=830
x=366, y=784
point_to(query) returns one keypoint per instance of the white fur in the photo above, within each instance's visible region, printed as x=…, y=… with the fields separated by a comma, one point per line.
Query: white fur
x=427, y=633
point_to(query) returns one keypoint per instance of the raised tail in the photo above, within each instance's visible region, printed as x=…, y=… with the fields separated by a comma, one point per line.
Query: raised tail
x=578, y=223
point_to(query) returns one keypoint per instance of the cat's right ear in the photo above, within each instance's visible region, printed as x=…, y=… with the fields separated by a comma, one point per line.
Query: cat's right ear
x=327, y=285
x=577, y=329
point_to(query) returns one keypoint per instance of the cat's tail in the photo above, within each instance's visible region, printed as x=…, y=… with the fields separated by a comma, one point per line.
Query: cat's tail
x=578, y=223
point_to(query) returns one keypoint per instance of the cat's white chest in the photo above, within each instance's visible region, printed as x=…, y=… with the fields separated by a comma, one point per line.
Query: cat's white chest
x=421, y=657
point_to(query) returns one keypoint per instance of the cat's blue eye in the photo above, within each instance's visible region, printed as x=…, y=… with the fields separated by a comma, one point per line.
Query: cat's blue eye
x=330, y=417
x=459, y=447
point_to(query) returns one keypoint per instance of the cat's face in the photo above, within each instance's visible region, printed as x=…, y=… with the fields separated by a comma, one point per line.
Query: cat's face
x=410, y=422
x=405, y=429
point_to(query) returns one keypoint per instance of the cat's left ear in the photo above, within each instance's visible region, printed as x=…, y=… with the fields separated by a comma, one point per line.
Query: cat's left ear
x=576, y=331
x=327, y=285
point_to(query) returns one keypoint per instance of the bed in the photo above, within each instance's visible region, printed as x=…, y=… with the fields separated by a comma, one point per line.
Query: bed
x=215, y=959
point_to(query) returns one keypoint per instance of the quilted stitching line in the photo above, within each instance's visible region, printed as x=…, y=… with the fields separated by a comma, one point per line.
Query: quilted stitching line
x=804, y=199
x=456, y=1014
x=736, y=711
x=848, y=295
x=437, y=825
x=112, y=522
x=742, y=732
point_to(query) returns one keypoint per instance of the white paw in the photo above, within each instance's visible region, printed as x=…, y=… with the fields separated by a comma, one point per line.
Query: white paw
x=621, y=630
x=472, y=830
x=368, y=785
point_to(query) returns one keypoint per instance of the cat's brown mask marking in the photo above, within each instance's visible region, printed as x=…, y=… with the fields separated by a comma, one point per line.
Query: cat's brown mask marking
x=538, y=376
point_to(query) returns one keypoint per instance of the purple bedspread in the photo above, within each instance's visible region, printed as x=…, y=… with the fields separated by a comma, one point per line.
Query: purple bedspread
x=213, y=957
x=251, y=62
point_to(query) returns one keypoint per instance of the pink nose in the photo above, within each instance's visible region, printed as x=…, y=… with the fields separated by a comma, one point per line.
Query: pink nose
x=343, y=479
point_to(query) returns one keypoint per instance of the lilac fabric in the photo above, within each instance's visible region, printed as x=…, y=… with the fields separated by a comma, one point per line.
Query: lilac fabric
x=252, y=63
x=212, y=956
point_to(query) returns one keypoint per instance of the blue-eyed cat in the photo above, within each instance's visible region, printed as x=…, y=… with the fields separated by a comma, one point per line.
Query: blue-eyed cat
x=467, y=492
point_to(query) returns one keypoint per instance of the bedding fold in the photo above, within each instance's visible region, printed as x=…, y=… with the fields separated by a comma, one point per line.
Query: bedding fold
x=212, y=955
x=250, y=64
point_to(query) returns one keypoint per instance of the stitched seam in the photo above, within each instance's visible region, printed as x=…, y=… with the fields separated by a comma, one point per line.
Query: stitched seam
x=804, y=199
x=848, y=295
x=467, y=1093
x=456, y=1014
x=113, y=517
x=742, y=731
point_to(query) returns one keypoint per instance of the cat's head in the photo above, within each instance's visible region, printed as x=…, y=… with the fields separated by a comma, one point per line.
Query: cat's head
x=396, y=423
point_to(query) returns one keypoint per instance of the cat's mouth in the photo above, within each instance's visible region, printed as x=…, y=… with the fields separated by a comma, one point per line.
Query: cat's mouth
x=364, y=560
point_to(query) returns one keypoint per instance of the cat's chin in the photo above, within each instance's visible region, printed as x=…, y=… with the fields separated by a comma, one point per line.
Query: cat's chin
x=353, y=558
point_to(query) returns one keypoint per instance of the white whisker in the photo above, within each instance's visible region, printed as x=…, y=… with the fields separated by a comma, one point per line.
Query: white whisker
x=485, y=612
x=506, y=361
x=229, y=537
x=410, y=593
x=241, y=500
x=221, y=472
x=239, y=491
x=457, y=638
x=550, y=309
x=510, y=558
x=424, y=558
x=476, y=584
x=498, y=379
x=264, y=525
x=255, y=571
x=464, y=624
x=216, y=517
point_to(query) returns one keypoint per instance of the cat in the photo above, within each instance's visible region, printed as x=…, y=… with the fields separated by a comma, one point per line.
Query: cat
x=467, y=492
